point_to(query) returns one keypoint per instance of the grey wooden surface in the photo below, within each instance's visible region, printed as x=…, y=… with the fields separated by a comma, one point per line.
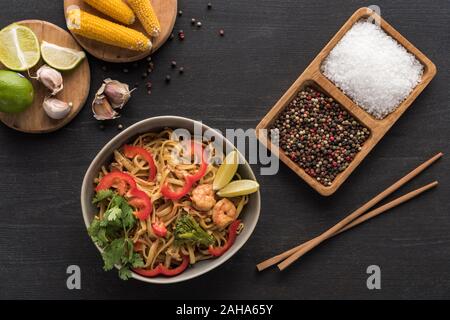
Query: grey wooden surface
x=231, y=82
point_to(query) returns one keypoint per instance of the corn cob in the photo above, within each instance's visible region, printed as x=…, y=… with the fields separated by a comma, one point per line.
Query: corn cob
x=93, y=27
x=146, y=15
x=116, y=9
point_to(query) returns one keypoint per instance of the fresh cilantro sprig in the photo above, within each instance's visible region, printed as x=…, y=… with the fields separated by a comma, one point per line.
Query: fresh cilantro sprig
x=111, y=233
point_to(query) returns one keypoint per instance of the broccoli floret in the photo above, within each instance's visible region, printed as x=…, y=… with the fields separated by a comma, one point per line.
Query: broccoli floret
x=187, y=230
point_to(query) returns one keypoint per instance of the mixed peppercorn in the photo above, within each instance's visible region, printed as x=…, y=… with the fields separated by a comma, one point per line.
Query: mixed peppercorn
x=319, y=135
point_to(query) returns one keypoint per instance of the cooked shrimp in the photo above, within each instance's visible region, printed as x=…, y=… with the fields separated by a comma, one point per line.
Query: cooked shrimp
x=224, y=213
x=203, y=197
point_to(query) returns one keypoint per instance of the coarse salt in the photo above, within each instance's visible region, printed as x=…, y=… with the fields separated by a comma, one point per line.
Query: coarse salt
x=373, y=69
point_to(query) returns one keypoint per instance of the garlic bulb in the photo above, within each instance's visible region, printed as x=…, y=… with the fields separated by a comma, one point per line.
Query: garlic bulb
x=50, y=78
x=102, y=109
x=56, y=109
x=118, y=93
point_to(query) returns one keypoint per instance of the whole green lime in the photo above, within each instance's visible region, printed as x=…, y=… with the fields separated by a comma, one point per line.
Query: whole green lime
x=16, y=92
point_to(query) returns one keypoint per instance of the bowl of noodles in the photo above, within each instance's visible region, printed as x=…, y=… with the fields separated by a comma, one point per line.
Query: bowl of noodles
x=152, y=206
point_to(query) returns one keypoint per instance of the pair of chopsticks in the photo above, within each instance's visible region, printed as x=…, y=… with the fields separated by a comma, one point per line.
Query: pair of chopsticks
x=288, y=257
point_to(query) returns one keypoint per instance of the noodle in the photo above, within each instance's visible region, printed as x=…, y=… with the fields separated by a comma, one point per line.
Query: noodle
x=169, y=169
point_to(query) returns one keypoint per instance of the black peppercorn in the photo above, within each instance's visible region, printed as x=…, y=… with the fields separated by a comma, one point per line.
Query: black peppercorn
x=308, y=134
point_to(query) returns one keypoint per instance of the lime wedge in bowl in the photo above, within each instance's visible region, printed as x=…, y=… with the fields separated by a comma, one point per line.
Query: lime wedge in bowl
x=19, y=49
x=226, y=171
x=238, y=188
x=61, y=58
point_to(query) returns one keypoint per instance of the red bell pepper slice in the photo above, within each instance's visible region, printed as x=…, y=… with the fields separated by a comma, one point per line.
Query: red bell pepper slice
x=162, y=270
x=159, y=229
x=118, y=180
x=135, y=197
x=199, y=152
x=168, y=193
x=232, y=233
x=140, y=200
x=175, y=271
x=133, y=151
x=149, y=272
x=189, y=179
x=137, y=246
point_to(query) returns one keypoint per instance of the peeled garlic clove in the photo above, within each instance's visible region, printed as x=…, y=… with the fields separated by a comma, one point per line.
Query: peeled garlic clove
x=102, y=109
x=56, y=109
x=117, y=93
x=50, y=78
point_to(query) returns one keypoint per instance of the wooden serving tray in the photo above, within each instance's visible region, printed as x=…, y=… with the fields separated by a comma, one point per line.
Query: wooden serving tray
x=312, y=76
x=166, y=10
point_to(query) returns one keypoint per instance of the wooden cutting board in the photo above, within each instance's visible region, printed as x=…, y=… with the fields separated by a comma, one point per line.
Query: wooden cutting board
x=166, y=11
x=76, y=85
x=313, y=77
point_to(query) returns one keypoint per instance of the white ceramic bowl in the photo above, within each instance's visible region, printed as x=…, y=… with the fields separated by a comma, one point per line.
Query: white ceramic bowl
x=249, y=215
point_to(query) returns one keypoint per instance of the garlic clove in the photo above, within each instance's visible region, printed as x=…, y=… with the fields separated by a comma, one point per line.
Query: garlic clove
x=56, y=109
x=50, y=78
x=102, y=109
x=118, y=93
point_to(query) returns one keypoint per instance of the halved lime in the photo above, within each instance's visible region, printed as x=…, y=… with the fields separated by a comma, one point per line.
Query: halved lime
x=238, y=188
x=61, y=58
x=19, y=47
x=226, y=170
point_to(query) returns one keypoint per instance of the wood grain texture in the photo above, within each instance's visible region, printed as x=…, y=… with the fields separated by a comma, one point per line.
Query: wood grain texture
x=76, y=85
x=166, y=10
x=232, y=82
x=313, y=77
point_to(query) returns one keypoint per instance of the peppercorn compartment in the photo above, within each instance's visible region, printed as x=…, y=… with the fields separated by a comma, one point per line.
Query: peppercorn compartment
x=318, y=134
x=315, y=135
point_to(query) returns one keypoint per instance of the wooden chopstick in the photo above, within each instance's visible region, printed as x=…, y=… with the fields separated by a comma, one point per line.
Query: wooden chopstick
x=316, y=241
x=298, y=251
x=377, y=211
x=398, y=201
